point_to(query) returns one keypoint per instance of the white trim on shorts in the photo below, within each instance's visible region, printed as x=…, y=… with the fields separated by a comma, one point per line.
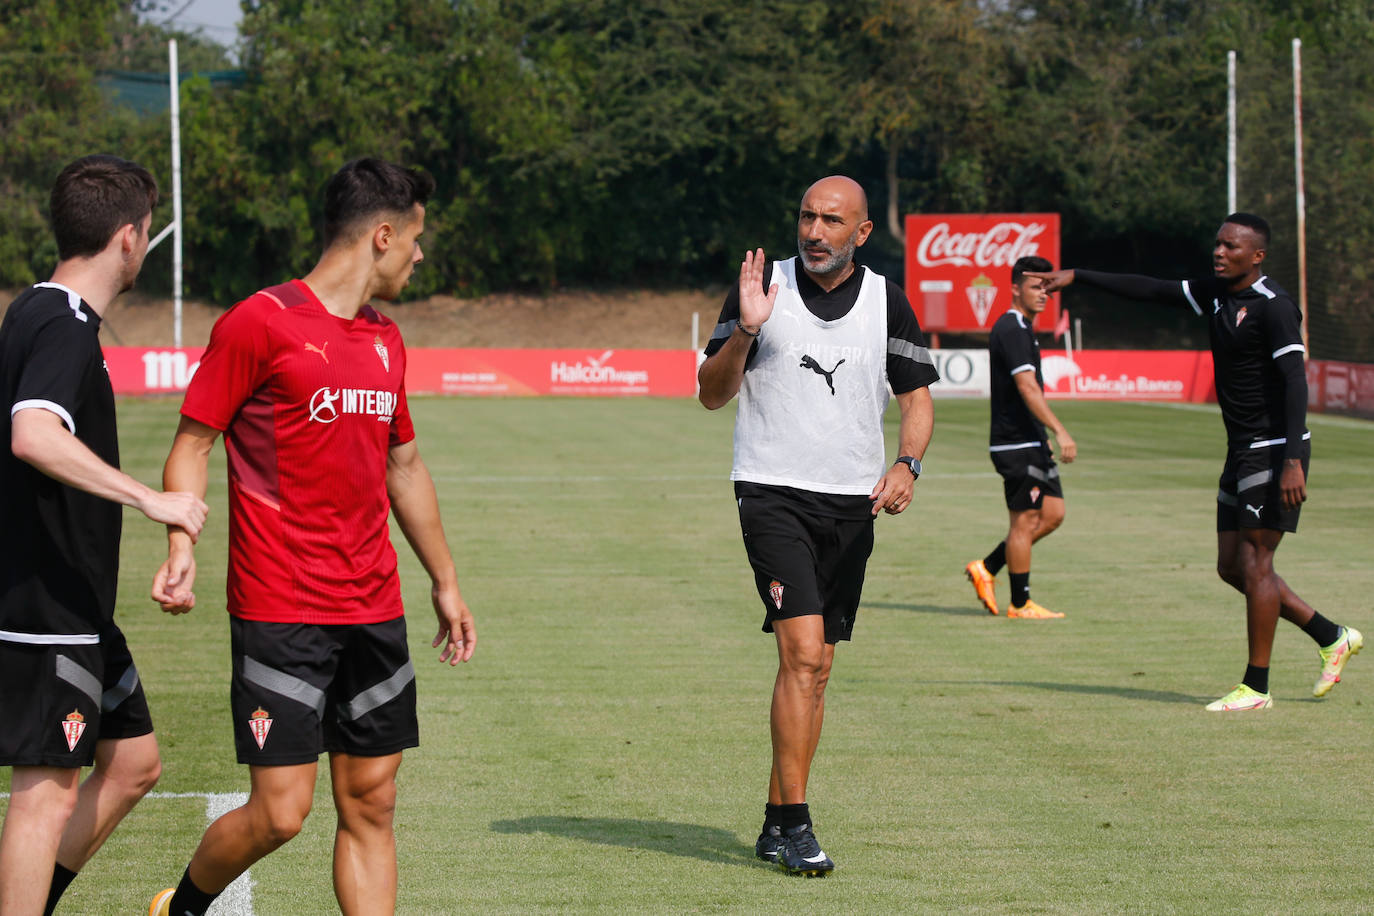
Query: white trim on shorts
x=51, y=639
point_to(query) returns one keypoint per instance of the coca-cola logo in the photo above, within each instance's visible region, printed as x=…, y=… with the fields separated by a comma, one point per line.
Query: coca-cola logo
x=999, y=246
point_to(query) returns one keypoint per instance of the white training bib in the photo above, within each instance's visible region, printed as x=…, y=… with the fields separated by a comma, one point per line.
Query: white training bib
x=812, y=401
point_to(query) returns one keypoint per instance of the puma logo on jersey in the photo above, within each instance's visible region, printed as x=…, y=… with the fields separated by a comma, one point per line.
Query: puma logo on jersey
x=311, y=348
x=1251, y=508
x=809, y=363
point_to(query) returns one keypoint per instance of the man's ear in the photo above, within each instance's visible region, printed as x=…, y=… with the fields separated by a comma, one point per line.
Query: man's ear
x=128, y=238
x=383, y=236
x=865, y=230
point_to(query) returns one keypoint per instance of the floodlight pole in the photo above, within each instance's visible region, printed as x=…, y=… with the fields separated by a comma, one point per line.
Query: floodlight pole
x=1302, y=194
x=175, y=81
x=1230, y=131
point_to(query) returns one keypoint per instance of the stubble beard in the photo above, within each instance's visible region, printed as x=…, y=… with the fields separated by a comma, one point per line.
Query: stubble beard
x=838, y=259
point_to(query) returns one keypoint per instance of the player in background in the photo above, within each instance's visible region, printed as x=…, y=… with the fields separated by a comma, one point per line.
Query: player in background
x=811, y=344
x=1019, y=448
x=306, y=382
x=1261, y=382
x=71, y=694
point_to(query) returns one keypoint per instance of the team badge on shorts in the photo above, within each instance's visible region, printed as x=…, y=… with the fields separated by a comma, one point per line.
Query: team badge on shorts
x=775, y=589
x=73, y=727
x=260, y=723
x=1240, y=316
x=1035, y=494
x=381, y=351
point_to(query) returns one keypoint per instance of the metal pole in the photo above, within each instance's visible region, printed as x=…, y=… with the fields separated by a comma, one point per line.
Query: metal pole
x=1302, y=194
x=1230, y=131
x=175, y=81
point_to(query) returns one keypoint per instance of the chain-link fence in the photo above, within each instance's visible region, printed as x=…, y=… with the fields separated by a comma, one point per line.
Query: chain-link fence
x=1338, y=151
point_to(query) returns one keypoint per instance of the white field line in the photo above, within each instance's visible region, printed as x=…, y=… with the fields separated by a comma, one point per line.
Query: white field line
x=237, y=899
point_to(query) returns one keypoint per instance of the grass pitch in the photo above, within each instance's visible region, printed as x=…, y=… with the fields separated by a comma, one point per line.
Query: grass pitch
x=607, y=749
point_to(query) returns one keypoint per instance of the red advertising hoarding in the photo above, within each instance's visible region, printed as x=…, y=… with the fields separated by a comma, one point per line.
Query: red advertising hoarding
x=958, y=265
x=1334, y=387
x=660, y=373
x=1129, y=375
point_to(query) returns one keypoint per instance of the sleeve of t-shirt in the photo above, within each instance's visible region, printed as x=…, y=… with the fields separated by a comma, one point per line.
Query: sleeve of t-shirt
x=402, y=429
x=236, y=363
x=1283, y=336
x=1191, y=293
x=56, y=371
x=1016, y=350
x=909, y=363
x=729, y=314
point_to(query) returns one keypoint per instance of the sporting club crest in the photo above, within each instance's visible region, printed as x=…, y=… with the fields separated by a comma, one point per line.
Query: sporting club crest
x=981, y=294
x=381, y=352
x=775, y=590
x=1240, y=316
x=73, y=727
x=260, y=723
x=1035, y=494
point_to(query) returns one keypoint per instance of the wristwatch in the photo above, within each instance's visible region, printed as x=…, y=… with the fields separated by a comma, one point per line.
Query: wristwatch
x=912, y=464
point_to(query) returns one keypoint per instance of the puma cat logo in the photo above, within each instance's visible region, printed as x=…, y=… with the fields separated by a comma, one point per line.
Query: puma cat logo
x=809, y=363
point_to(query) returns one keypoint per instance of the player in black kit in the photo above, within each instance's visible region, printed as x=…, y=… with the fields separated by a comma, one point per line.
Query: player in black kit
x=1019, y=447
x=68, y=685
x=1261, y=382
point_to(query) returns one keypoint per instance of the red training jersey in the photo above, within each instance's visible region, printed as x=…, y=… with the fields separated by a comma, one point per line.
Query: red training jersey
x=310, y=405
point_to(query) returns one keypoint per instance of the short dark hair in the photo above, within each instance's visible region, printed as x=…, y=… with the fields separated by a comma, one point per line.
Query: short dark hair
x=1250, y=221
x=366, y=187
x=1030, y=263
x=93, y=197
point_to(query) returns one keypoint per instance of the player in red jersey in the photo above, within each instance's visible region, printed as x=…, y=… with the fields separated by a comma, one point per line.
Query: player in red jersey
x=307, y=384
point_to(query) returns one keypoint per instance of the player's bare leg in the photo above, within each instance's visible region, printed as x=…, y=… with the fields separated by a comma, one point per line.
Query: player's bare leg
x=41, y=801
x=1262, y=606
x=1229, y=567
x=1052, y=512
x=125, y=770
x=365, y=840
x=1028, y=526
x=774, y=784
x=798, y=708
x=278, y=801
x=1020, y=536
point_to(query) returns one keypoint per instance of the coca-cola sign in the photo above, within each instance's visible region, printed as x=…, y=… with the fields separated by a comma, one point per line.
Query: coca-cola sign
x=958, y=265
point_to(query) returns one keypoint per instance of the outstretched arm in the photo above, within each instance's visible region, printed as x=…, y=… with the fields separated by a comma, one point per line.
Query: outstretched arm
x=39, y=437
x=1131, y=286
x=416, y=507
x=721, y=375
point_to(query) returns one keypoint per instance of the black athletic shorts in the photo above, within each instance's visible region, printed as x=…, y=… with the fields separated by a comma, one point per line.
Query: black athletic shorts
x=60, y=699
x=1028, y=476
x=805, y=563
x=300, y=689
x=1248, y=491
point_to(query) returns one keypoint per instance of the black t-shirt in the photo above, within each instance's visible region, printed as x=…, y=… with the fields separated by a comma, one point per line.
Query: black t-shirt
x=1013, y=349
x=1251, y=332
x=1257, y=351
x=60, y=544
x=909, y=367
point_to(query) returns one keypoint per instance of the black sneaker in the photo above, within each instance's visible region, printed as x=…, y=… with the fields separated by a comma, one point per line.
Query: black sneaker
x=769, y=842
x=801, y=854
